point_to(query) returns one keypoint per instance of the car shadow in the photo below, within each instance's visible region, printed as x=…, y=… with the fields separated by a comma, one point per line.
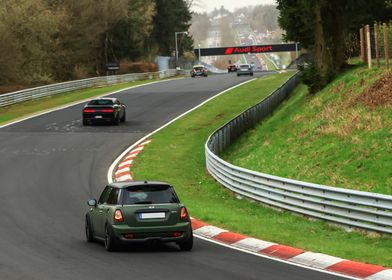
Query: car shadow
x=142, y=247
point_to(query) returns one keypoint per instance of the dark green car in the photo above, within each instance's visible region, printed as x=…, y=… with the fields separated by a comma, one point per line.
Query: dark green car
x=138, y=211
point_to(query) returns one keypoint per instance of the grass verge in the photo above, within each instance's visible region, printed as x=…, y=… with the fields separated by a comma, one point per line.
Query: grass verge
x=176, y=155
x=24, y=109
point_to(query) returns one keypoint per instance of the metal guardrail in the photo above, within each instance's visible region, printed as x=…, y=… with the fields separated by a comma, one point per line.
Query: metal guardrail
x=34, y=93
x=351, y=208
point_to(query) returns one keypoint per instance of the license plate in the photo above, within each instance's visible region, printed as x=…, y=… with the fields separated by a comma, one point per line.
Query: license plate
x=98, y=117
x=155, y=215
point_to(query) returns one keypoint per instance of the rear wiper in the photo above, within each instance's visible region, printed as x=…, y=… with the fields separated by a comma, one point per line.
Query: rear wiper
x=144, y=202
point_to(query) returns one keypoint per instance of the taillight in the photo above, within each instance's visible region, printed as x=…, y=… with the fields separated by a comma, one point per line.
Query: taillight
x=89, y=110
x=107, y=110
x=118, y=216
x=184, y=213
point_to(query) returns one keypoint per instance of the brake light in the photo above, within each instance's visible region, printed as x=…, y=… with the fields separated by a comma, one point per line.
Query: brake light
x=177, y=234
x=89, y=110
x=107, y=110
x=184, y=213
x=118, y=216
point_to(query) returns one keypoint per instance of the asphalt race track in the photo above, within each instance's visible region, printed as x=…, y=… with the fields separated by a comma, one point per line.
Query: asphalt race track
x=50, y=165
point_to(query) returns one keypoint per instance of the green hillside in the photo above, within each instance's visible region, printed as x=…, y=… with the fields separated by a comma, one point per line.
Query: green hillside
x=342, y=136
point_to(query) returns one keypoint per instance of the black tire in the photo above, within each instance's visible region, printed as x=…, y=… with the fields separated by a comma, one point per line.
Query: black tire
x=110, y=240
x=123, y=118
x=251, y=74
x=238, y=75
x=116, y=120
x=187, y=245
x=85, y=122
x=89, y=230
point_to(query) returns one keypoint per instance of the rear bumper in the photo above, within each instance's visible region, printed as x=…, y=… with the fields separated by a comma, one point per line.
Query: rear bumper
x=155, y=233
x=99, y=117
x=244, y=73
x=198, y=74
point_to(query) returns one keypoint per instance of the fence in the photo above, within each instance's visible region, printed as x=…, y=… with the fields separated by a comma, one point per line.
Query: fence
x=182, y=63
x=30, y=94
x=376, y=42
x=347, y=207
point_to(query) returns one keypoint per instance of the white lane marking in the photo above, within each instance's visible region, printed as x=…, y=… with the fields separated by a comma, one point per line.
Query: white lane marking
x=114, y=164
x=33, y=115
x=318, y=260
x=209, y=231
x=275, y=259
x=252, y=244
x=382, y=275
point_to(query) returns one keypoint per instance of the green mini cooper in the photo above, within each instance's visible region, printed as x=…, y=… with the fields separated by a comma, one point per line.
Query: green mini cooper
x=138, y=211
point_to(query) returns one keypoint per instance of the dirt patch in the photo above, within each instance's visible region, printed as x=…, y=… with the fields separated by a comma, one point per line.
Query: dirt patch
x=338, y=88
x=379, y=94
x=209, y=123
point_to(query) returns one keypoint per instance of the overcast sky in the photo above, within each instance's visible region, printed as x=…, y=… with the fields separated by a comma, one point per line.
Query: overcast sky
x=209, y=5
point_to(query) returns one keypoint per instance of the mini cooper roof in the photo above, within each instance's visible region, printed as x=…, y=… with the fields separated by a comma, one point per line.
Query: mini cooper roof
x=127, y=184
x=105, y=98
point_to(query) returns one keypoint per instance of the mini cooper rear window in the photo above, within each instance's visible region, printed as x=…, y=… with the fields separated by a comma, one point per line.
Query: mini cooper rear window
x=101, y=102
x=150, y=194
x=198, y=68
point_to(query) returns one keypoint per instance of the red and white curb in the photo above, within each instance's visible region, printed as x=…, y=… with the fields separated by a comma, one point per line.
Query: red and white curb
x=290, y=254
x=123, y=170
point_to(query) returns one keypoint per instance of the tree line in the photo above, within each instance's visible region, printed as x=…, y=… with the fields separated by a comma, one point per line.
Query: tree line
x=328, y=29
x=57, y=40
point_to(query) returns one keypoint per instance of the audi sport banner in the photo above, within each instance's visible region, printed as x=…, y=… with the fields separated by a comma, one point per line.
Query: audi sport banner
x=246, y=49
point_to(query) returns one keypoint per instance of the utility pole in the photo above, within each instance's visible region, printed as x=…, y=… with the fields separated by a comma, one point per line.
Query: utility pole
x=175, y=39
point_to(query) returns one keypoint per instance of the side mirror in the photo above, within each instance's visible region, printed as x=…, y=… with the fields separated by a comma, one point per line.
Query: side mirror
x=92, y=202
